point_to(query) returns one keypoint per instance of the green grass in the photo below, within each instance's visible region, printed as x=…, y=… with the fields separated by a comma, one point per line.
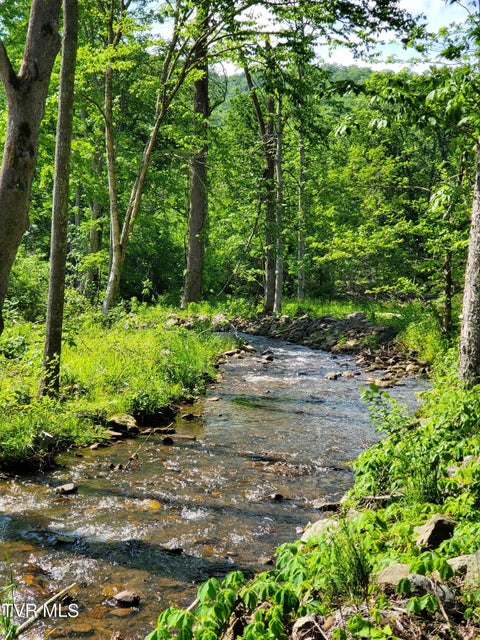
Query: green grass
x=134, y=363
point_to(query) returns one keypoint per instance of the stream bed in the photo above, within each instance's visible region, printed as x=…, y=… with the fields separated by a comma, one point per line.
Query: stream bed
x=156, y=517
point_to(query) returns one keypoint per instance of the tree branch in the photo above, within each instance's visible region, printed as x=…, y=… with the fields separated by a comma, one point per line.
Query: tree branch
x=256, y=103
x=7, y=73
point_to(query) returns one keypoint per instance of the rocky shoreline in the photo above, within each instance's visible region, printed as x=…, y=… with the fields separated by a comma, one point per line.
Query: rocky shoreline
x=373, y=345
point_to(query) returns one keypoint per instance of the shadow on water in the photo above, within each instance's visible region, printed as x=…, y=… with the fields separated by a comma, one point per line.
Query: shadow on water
x=137, y=554
x=273, y=439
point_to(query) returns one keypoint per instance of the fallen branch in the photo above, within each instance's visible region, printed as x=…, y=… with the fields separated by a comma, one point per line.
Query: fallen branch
x=28, y=623
x=193, y=605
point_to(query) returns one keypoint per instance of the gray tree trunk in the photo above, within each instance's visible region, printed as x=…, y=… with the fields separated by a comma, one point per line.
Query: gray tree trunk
x=175, y=69
x=26, y=93
x=301, y=219
x=116, y=249
x=469, y=367
x=277, y=308
x=197, y=219
x=270, y=209
x=50, y=382
x=302, y=225
x=267, y=134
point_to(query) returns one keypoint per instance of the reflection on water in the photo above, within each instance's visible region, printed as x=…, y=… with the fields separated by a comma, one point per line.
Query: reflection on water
x=274, y=438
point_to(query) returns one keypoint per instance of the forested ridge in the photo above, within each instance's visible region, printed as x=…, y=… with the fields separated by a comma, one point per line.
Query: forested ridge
x=170, y=168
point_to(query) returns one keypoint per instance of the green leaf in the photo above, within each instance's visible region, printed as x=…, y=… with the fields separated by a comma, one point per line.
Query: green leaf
x=208, y=590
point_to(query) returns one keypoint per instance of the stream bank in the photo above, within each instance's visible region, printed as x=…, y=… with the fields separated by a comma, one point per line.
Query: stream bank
x=157, y=517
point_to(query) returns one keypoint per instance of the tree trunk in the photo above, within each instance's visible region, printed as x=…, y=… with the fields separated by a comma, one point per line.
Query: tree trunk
x=197, y=218
x=267, y=134
x=26, y=94
x=270, y=209
x=447, y=270
x=116, y=257
x=301, y=215
x=302, y=222
x=301, y=218
x=279, y=212
x=469, y=367
x=50, y=382
x=172, y=77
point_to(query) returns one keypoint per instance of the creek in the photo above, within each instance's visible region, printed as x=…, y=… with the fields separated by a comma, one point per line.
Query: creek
x=270, y=441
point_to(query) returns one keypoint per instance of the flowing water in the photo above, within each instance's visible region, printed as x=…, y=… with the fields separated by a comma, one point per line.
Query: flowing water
x=271, y=441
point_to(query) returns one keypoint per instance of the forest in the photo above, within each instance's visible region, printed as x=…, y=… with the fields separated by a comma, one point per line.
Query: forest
x=168, y=164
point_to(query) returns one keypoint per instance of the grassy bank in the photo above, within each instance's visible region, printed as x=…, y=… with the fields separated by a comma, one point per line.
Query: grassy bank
x=136, y=362
x=425, y=465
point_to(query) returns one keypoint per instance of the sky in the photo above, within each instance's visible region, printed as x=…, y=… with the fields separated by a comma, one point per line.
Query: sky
x=438, y=13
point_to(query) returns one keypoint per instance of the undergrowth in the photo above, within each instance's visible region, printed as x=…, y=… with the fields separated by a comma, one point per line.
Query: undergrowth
x=425, y=464
x=133, y=362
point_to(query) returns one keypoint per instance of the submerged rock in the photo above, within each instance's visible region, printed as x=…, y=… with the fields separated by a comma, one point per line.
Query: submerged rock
x=127, y=599
x=66, y=489
x=332, y=375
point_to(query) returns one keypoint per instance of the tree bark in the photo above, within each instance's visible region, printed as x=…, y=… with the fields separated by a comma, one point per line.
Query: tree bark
x=447, y=271
x=197, y=219
x=277, y=308
x=26, y=93
x=270, y=202
x=469, y=367
x=175, y=69
x=267, y=133
x=302, y=223
x=50, y=382
x=301, y=218
x=116, y=257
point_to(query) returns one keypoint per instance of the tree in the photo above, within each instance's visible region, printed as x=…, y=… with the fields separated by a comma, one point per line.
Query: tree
x=266, y=125
x=26, y=93
x=50, y=382
x=197, y=218
x=469, y=364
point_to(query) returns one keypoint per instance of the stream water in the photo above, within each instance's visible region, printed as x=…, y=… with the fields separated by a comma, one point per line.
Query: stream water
x=271, y=441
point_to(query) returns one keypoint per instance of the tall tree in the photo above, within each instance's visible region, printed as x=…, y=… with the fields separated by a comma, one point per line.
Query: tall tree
x=266, y=125
x=26, y=93
x=197, y=218
x=469, y=366
x=50, y=382
x=279, y=205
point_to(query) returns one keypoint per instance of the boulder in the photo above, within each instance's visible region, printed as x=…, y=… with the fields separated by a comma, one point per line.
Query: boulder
x=309, y=628
x=123, y=423
x=318, y=528
x=421, y=585
x=115, y=435
x=325, y=505
x=460, y=564
x=127, y=599
x=472, y=578
x=388, y=578
x=438, y=529
x=332, y=375
x=66, y=489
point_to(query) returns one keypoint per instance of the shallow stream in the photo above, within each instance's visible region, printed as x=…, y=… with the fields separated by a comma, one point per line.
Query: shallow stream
x=272, y=440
